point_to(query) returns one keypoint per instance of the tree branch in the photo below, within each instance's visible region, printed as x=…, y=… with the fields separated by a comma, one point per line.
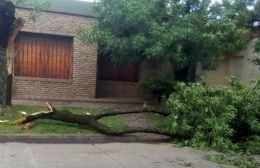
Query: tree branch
x=132, y=111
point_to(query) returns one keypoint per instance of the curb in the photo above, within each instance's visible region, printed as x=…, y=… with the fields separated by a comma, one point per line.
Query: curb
x=88, y=139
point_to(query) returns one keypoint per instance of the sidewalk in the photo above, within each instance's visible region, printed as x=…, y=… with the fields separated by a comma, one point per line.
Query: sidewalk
x=111, y=155
x=87, y=138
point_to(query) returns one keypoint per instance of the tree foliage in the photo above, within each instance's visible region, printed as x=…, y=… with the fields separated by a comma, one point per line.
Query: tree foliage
x=187, y=31
x=217, y=117
x=158, y=86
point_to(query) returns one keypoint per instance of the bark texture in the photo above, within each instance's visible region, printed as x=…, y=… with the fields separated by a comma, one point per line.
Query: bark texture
x=16, y=28
x=9, y=29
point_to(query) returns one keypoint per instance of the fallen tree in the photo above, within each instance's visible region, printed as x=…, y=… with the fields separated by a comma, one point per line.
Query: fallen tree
x=92, y=120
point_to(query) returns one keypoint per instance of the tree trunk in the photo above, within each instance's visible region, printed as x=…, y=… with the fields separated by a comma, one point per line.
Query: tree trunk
x=18, y=25
x=92, y=120
x=191, y=73
x=9, y=90
x=7, y=11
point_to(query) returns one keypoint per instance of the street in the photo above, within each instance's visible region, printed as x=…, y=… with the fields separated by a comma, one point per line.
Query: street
x=110, y=155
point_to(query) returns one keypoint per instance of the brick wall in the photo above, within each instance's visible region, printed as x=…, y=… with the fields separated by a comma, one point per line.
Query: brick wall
x=82, y=85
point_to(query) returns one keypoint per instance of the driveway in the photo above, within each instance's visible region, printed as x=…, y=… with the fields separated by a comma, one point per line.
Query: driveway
x=110, y=155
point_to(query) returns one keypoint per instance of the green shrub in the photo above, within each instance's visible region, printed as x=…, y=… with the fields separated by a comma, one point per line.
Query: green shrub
x=217, y=117
x=237, y=160
x=253, y=145
x=158, y=86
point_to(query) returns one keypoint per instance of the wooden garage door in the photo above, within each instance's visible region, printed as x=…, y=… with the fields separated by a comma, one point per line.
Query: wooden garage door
x=123, y=72
x=44, y=56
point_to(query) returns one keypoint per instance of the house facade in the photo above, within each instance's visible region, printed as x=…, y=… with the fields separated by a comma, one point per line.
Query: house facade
x=51, y=63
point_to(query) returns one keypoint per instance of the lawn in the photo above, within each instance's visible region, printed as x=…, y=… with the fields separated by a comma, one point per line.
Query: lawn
x=51, y=126
x=156, y=120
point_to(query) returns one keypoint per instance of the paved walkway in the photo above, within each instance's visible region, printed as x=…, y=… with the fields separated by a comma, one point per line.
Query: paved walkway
x=111, y=155
x=136, y=120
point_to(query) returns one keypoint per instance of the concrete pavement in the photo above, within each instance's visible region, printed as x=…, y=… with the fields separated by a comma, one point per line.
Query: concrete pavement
x=110, y=155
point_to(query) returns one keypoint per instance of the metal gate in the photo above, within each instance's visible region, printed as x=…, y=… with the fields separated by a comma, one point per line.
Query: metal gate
x=3, y=77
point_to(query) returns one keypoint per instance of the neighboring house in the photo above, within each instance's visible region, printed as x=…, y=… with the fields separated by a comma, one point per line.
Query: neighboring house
x=53, y=64
x=238, y=65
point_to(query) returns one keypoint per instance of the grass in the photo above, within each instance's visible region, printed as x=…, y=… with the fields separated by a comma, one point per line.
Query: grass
x=240, y=161
x=115, y=122
x=53, y=127
x=156, y=120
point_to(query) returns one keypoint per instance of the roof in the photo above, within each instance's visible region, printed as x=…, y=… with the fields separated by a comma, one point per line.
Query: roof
x=74, y=7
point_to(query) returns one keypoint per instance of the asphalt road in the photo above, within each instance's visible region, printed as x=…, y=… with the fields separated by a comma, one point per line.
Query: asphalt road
x=110, y=155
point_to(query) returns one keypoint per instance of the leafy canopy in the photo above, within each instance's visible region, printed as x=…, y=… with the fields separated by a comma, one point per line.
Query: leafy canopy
x=187, y=31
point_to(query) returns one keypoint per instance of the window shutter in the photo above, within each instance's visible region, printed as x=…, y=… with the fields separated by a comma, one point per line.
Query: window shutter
x=45, y=56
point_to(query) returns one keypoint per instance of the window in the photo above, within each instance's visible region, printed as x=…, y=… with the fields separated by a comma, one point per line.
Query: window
x=124, y=72
x=44, y=56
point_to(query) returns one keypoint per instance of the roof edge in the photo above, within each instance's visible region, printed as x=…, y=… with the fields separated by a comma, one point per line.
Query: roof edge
x=66, y=13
